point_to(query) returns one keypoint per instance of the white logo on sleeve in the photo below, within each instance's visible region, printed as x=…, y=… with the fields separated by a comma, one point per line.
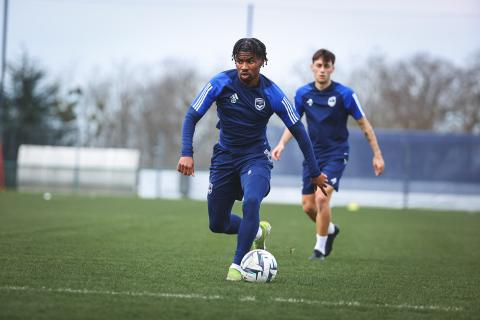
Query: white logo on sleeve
x=333, y=181
x=310, y=102
x=332, y=101
x=259, y=103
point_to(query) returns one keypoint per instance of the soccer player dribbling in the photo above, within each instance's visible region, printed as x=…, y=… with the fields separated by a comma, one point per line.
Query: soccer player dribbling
x=327, y=105
x=241, y=162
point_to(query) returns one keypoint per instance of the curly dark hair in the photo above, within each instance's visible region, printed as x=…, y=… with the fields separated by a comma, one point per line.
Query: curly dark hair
x=252, y=45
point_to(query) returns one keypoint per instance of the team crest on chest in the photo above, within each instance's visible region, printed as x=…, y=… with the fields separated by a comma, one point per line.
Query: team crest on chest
x=259, y=104
x=310, y=102
x=332, y=101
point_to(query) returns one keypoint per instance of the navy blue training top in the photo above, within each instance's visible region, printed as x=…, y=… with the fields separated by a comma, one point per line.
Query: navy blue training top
x=243, y=114
x=327, y=113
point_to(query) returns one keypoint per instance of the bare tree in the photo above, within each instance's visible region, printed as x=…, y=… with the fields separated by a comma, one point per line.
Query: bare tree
x=366, y=81
x=165, y=102
x=416, y=93
x=465, y=113
x=147, y=114
x=108, y=108
x=96, y=102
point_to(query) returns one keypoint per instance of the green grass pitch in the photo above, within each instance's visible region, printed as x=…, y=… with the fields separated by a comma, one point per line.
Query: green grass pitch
x=78, y=257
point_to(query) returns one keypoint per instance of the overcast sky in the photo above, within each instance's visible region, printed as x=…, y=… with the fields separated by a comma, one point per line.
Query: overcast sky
x=81, y=36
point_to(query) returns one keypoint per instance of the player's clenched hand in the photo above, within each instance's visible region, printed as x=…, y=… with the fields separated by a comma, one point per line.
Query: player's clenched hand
x=378, y=165
x=186, y=166
x=321, y=182
x=277, y=151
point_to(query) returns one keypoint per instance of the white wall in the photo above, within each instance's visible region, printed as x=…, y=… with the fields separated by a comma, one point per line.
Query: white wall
x=82, y=169
x=166, y=184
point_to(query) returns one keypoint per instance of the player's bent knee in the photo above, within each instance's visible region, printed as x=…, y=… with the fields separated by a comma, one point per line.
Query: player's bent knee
x=309, y=208
x=251, y=204
x=217, y=227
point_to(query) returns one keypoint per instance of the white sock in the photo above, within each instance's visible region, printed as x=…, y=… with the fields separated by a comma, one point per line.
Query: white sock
x=236, y=266
x=320, y=245
x=259, y=233
x=331, y=228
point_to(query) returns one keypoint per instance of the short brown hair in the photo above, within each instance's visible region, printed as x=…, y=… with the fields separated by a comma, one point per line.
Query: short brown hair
x=325, y=55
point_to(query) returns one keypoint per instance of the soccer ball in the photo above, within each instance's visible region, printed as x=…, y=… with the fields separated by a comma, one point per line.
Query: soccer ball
x=259, y=266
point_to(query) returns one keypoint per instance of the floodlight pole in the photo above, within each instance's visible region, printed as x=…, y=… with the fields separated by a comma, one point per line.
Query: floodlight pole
x=249, y=20
x=76, y=170
x=4, y=53
x=2, y=80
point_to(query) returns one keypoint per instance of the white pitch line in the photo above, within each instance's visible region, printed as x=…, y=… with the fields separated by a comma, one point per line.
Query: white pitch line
x=248, y=298
x=114, y=293
x=359, y=304
x=195, y=296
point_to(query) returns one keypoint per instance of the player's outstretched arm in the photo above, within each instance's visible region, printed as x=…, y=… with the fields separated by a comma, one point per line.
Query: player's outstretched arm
x=197, y=109
x=186, y=166
x=377, y=162
x=277, y=151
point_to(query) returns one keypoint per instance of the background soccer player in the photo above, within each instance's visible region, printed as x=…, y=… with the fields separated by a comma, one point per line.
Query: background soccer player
x=327, y=105
x=241, y=160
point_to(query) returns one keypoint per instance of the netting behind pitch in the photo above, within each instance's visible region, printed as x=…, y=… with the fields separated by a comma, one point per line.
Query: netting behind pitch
x=413, y=156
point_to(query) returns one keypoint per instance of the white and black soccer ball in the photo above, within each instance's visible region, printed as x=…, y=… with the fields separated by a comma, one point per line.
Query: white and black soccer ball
x=259, y=266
